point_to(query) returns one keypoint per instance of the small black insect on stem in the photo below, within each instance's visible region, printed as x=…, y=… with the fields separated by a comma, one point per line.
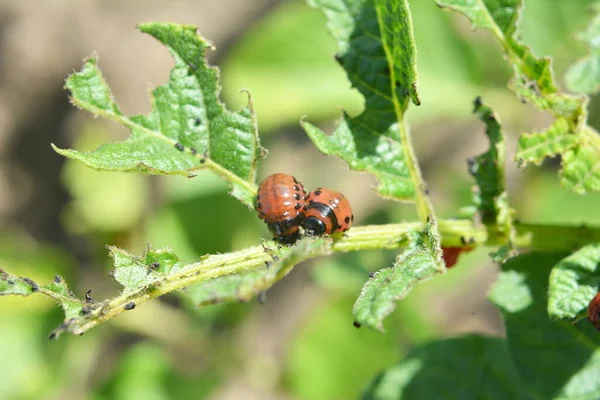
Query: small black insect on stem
x=34, y=286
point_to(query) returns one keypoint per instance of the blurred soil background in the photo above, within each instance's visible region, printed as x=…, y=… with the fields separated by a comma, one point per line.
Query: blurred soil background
x=56, y=216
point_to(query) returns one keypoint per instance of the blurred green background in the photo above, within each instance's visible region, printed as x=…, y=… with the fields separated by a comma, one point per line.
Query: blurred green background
x=57, y=216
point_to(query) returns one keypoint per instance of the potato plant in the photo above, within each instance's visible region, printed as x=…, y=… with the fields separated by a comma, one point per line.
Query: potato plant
x=549, y=273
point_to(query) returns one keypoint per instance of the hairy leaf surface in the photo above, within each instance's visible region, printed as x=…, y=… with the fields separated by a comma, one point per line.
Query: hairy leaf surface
x=188, y=128
x=573, y=283
x=535, y=147
x=246, y=285
x=376, y=48
x=581, y=167
x=420, y=261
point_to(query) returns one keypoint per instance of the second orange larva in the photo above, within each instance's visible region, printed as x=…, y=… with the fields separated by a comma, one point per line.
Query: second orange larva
x=594, y=311
x=326, y=212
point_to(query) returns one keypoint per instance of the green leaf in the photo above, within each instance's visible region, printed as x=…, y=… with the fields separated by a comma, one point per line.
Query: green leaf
x=470, y=367
x=188, y=128
x=489, y=194
x=534, y=81
x=57, y=290
x=581, y=168
x=584, y=75
x=376, y=48
x=533, y=77
x=420, y=261
x=535, y=147
x=488, y=168
x=244, y=286
x=573, y=283
x=503, y=254
x=135, y=272
x=556, y=359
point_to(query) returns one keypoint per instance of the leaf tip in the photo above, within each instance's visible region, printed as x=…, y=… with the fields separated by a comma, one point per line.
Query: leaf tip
x=62, y=152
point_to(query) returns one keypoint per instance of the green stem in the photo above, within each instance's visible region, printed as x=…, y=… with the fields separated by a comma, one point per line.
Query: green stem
x=455, y=233
x=424, y=206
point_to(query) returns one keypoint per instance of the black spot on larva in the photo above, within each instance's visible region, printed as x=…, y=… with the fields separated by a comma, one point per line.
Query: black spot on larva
x=356, y=324
x=179, y=146
x=297, y=206
x=352, y=217
x=34, y=286
x=296, y=188
x=130, y=306
x=297, y=196
x=258, y=205
x=193, y=150
x=197, y=121
x=347, y=219
x=88, y=296
x=317, y=192
x=371, y=274
x=295, y=180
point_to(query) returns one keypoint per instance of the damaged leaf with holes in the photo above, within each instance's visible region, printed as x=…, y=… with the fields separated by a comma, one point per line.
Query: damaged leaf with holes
x=420, y=261
x=533, y=81
x=488, y=168
x=533, y=78
x=376, y=48
x=57, y=290
x=188, y=128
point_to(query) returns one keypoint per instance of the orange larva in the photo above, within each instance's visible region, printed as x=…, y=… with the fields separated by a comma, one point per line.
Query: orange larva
x=327, y=212
x=594, y=311
x=280, y=203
